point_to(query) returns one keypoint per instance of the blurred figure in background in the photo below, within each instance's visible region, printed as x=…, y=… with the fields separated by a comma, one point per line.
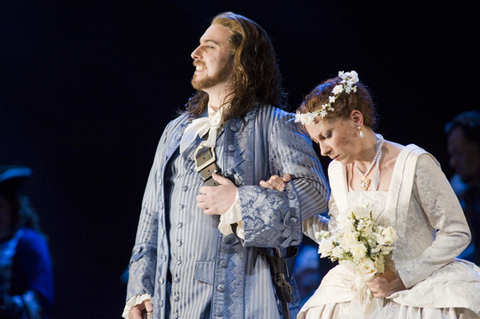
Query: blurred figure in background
x=310, y=268
x=463, y=145
x=26, y=278
x=307, y=270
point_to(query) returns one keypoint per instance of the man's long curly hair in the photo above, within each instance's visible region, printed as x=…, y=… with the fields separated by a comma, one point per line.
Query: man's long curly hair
x=256, y=75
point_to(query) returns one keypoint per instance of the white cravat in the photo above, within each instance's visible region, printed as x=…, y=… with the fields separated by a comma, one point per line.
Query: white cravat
x=201, y=126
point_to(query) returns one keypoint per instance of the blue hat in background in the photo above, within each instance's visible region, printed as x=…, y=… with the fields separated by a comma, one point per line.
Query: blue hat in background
x=12, y=176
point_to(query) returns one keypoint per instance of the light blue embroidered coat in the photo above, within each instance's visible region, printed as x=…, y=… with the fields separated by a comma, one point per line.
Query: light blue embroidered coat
x=180, y=257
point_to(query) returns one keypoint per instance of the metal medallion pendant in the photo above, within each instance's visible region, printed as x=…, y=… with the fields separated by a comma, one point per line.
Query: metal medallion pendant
x=364, y=183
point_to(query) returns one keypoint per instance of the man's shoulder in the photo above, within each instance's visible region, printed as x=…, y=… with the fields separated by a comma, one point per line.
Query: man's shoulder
x=270, y=111
x=270, y=108
x=182, y=118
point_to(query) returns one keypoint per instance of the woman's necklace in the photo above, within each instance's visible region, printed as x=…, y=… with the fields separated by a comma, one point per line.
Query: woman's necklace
x=365, y=182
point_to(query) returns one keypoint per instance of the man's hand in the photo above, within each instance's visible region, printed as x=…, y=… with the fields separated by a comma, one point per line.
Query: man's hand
x=217, y=200
x=276, y=182
x=137, y=311
x=385, y=284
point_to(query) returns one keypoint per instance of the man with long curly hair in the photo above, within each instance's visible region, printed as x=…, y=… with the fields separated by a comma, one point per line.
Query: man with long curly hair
x=209, y=223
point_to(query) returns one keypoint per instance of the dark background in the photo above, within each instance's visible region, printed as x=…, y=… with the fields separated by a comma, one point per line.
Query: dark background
x=86, y=88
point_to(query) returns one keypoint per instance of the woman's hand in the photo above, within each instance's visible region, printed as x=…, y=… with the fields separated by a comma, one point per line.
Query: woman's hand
x=276, y=182
x=385, y=284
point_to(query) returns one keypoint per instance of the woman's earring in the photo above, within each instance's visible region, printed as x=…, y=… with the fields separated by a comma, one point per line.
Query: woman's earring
x=361, y=133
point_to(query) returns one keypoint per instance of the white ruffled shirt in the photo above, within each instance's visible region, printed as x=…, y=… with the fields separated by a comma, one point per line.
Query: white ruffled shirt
x=200, y=127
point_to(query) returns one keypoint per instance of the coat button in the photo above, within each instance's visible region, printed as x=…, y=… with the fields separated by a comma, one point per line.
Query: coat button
x=221, y=288
x=231, y=148
x=223, y=264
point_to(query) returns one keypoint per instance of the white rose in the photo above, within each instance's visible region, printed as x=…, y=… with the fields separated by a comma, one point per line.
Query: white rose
x=387, y=250
x=345, y=223
x=325, y=247
x=337, y=252
x=380, y=239
x=348, y=227
x=350, y=239
x=366, y=269
x=389, y=234
x=358, y=251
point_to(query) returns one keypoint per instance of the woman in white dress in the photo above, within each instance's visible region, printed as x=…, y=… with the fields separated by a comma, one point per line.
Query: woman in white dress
x=408, y=191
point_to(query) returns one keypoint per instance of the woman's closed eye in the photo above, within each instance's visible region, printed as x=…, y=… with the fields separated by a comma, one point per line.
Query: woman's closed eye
x=324, y=137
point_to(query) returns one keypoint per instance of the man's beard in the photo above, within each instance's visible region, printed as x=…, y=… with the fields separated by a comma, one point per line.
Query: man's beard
x=222, y=76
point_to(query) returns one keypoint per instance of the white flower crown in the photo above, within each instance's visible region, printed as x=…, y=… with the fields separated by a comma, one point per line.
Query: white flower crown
x=348, y=84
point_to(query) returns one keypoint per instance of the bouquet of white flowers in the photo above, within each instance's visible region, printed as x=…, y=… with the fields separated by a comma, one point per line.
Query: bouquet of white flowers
x=358, y=240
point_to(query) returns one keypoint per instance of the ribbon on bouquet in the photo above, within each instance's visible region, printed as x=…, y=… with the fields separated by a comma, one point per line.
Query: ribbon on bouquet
x=364, y=302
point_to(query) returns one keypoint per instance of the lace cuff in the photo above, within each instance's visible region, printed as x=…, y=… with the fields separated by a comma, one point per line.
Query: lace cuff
x=232, y=216
x=136, y=300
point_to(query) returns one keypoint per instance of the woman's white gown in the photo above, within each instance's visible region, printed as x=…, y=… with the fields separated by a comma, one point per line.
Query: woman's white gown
x=422, y=207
